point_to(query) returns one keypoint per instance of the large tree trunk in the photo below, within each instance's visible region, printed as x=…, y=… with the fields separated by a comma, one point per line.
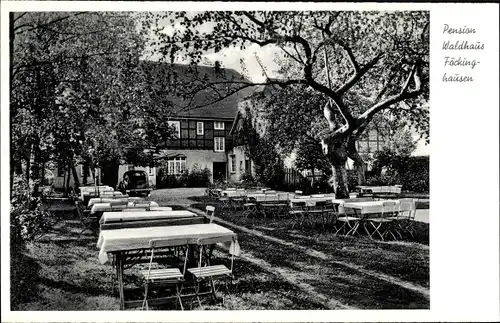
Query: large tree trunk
x=76, y=183
x=359, y=163
x=86, y=166
x=336, y=152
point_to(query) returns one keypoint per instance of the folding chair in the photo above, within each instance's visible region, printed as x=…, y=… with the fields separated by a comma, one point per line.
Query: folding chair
x=250, y=208
x=225, y=204
x=88, y=220
x=386, y=213
x=206, y=271
x=210, y=211
x=165, y=276
x=348, y=219
x=299, y=212
x=270, y=204
x=405, y=216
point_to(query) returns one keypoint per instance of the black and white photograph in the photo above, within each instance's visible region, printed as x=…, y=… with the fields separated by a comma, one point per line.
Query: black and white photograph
x=221, y=160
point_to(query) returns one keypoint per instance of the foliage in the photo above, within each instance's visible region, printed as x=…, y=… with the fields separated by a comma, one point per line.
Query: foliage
x=79, y=91
x=28, y=220
x=309, y=156
x=390, y=168
x=196, y=177
x=380, y=62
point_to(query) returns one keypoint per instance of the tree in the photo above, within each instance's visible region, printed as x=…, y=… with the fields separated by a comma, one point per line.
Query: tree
x=363, y=63
x=309, y=156
x=78, y=90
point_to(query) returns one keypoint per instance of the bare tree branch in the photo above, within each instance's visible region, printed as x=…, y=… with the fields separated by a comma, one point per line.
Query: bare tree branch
x=358, y=75
x=230, y=93
x=404, y=94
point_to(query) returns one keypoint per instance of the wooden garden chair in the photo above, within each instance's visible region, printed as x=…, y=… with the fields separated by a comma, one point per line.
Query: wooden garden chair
x=404, y=218
x=299, y=212
x=381, y=224
x=249, y=207
x=162, y=277
x=210, y=211
x=88, y=220
x=205, y=271
x=347, y=221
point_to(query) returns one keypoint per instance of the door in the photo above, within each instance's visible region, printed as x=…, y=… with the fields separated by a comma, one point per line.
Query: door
x=219, y=171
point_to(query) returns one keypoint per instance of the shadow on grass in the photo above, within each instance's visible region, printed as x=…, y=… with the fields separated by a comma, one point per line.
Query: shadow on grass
x=86, y=289
x=346, y=285
x=23, y=279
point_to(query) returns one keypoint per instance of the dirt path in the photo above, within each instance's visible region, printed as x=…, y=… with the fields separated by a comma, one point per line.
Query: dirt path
x=322, y=256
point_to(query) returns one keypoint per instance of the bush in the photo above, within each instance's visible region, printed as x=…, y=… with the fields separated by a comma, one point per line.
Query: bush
x=412, y=172
x=352, y=179
x=196, y=177
x=248, y=181
x=28, y=220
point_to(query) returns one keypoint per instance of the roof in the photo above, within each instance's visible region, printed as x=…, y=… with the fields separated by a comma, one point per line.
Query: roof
x=162, y=76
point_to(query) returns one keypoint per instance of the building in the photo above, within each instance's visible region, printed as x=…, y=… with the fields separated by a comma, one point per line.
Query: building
x=201, y=132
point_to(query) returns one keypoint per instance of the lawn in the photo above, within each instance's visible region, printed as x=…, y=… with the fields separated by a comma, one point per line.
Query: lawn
x=279, y=268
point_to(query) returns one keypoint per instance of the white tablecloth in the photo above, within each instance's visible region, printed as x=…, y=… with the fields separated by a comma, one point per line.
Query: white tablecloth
x=106, y=199
x=106, y=207
x=138, y=238
x=311, y=201
x=368, y=207
x=108, y=217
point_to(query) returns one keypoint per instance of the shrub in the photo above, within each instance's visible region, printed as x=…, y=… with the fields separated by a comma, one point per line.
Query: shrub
x=248, y=181
x=28, y=220
x=197, y=177
x=412, y=172
x=352, y=179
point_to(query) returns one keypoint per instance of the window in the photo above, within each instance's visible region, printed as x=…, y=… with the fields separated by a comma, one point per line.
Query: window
x=218, y=125
x=233, y=164
x=219, y=143
x=241, y=167
x=176, y=127
x=176, y=165
x=199, y=128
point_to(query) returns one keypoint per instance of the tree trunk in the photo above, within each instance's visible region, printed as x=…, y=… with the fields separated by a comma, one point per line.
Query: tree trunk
x=336, y=152
x=312, y=180
x=86, y=165
x=68, y=179
x=35, y=169
x=76, y=183
x=359, y=163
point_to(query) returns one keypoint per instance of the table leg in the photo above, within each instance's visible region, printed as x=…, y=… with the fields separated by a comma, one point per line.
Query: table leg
x=119, y=274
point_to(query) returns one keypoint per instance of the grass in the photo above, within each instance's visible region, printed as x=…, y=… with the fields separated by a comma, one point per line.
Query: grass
x=279, y=269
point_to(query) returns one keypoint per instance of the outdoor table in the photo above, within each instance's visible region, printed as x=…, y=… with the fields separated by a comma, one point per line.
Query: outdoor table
x=160, y=208
x=367, y=207
x=108, y=217
x=311, y=201
x=387, y=190
x=107, y=207
x=111, y=199
x=126, y=244
x=94, y=192
x=111, y=193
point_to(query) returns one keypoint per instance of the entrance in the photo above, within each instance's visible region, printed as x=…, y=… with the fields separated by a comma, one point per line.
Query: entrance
x=219, y=171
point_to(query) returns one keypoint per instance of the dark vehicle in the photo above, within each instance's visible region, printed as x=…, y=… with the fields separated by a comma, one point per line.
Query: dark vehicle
x=135, y=182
